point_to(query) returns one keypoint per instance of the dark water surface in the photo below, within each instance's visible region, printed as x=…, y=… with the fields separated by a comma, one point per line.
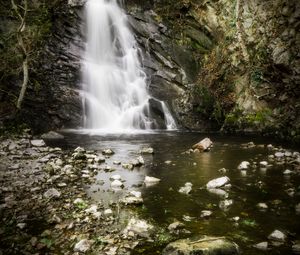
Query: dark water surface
x=164, y=204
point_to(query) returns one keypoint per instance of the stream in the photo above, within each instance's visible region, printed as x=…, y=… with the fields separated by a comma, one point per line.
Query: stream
x=243, y=222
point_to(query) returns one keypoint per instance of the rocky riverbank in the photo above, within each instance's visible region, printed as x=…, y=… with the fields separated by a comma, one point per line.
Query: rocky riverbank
x=45, y=208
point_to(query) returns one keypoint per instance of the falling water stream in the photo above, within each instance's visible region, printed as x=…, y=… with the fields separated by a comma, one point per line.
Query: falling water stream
x=115, y=88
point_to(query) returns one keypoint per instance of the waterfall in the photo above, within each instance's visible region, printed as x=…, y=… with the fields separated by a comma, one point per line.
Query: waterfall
x=114, y=84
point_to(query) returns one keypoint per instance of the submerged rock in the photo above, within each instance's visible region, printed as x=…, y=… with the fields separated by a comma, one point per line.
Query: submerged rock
x=147, y=150
x=52, y=136
x=205, y=246
x=175, y=226
x=203, y=145
x=186, y=189
x=151, y=180
x=219, y=192
x=217, y=183
x=107, y=152
x=225, y=204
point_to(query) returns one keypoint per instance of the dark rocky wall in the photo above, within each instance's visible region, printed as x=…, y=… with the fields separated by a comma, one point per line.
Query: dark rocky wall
x=218, y=64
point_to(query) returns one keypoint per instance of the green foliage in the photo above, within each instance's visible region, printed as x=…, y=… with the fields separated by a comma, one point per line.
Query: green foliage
x=47, y=242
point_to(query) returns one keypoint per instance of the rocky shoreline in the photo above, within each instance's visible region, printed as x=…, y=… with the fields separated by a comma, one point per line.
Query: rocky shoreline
x=45, y=208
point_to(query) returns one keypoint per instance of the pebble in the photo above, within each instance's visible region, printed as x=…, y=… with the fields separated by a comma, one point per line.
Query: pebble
x=175, y=226
x=82, y=246
x=116, y=177
x=277, y=236
x=263, y=246
x=107, y=152
x=37, y=143
x=263, y=163
x=108, y=212
x=52, y=193
x=147, y=150
x=186, y=189
x=262, y=206
x=116, y=184
x=205, y=214
x=151, y=180
x=225, y=204
x=244, y=165
x=287, y=172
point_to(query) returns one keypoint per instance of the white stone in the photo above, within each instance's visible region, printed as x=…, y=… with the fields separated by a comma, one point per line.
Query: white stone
x=147, y=150
x=168, y=162
x=21, y=225
x=108, y=212
x=151, y=180
x=186, y=189
x=287, y=172
x=82, y=246
x=79, y=149
x=277, y=236
x=116, y=177
x=136, y=193
x=141, y=160
x=51, y=193
x=244, y=165
x=132, y=200
x=116, y=184
x=262, y=206
x=107, y=152
x=78, y=201
x=205, y=213
x=279, y=154
x=263, y=163
x=139, y=227
x=92, y=209
x=225, y=204
x=217, y=183
x=261, y=246
x=203, y=145
x=37, y=143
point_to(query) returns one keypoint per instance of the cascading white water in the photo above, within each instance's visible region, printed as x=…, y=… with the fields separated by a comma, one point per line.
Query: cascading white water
x=115, y=89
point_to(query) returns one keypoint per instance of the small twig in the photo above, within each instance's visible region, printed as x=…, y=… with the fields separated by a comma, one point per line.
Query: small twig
x=208, y=239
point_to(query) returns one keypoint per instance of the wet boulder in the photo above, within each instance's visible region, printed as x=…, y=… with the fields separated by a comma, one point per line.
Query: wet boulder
x=217, y=183
x=204, y=246
x=51, y=135
x=203, y=145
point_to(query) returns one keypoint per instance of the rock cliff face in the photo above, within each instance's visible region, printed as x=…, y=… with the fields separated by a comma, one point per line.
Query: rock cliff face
x=230, y=65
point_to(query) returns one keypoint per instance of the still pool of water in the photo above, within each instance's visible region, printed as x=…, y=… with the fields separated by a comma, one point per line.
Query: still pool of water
x=164, y=204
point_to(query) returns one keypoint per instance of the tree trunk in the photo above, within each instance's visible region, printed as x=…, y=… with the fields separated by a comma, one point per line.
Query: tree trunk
x=24, y=84
x=23, y=49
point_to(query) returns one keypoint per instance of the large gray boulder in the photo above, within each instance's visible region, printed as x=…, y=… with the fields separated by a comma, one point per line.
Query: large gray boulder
x=203, y=246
